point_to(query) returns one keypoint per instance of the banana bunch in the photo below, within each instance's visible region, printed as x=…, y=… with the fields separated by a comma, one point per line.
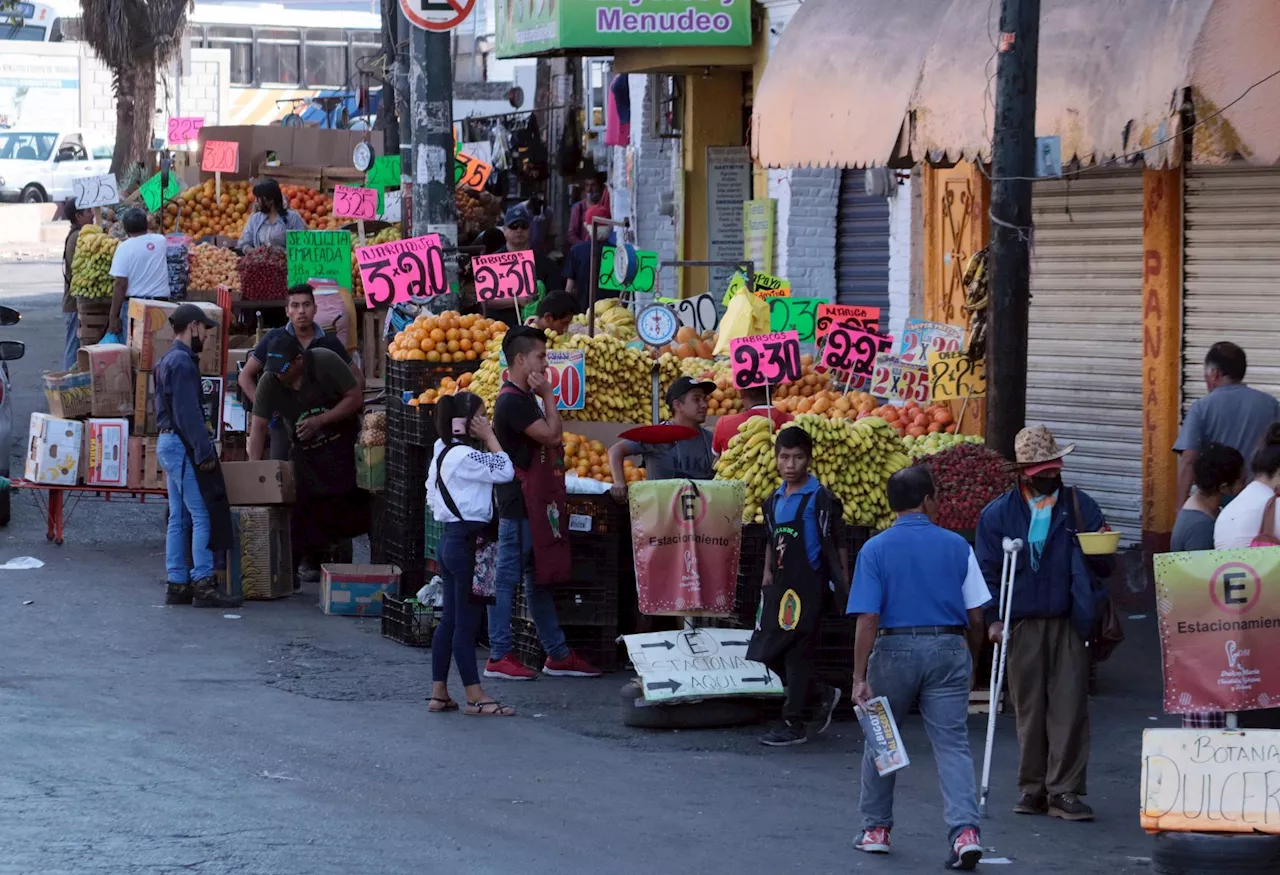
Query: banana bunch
x=91, y=265
x=612, y=318
x=749, y=458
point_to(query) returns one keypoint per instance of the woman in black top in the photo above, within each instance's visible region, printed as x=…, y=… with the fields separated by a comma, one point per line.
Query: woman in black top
x=1219, y=472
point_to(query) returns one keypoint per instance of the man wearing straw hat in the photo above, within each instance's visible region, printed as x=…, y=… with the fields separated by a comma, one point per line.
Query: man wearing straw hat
x=1048, y=662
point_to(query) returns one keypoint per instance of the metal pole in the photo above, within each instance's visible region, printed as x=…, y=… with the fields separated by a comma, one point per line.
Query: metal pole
x=1012, y=167
x=405, y=138
x=431, y=99
x=389, y=102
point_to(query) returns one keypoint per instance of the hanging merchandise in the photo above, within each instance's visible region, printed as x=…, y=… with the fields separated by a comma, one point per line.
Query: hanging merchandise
x=977, y=277
x=530, y=153
x=500, y=146
x=569, y=154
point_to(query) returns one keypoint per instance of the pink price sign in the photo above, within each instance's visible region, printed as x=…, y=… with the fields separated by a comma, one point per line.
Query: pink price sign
x=355, y=203
x=851, y=351
x=402, y=269
x=850, y=316
x=220, y=156
x=184, y=129
x=505, y=275
x=765, y=359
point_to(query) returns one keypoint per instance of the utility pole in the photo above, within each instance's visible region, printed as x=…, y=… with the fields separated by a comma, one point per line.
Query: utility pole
x=431, y=123
x=1013, y=162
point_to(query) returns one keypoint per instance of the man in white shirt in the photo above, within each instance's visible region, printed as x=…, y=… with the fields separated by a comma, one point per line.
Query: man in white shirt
x=138, y=267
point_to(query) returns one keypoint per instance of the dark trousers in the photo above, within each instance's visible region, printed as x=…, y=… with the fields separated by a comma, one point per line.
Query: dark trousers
x=1049, y=684
x=795, y=667
x=460, y=613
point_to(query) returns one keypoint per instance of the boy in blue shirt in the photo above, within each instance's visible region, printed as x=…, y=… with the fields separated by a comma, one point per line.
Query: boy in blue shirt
x=803, y=568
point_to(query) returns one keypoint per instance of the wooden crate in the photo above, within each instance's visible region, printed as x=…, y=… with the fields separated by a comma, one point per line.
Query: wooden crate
x=93, y=316
x=372, y=346
x=145, y=471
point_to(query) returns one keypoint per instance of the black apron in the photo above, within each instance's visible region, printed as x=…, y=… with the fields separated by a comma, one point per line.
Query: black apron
x=790, y=607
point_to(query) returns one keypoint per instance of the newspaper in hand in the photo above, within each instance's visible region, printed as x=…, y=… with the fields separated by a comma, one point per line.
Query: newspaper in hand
x=882, y=735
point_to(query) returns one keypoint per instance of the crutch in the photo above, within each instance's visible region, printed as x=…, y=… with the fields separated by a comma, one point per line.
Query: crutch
x=1008, y=571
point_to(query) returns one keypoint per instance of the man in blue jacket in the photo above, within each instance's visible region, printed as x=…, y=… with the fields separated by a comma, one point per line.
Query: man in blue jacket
x=1048, y=663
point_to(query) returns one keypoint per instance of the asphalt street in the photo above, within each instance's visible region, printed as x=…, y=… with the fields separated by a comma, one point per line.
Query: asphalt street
x=140, y=738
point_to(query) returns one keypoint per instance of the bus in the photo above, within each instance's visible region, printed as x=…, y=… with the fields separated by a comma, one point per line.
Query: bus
x=30, y=22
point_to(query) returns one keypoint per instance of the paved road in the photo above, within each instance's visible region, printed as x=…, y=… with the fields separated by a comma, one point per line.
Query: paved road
x=146, y=739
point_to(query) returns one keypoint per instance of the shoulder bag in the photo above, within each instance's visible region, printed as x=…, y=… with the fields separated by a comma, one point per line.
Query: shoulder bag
x=1267, y=527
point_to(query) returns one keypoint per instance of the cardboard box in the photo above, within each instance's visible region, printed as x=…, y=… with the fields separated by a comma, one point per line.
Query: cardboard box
x=145, y=471
x=371, y=468
x=53, y=451
x=110, y=369
x=357, y=590
x=259, y=483
x=144, y=405
x=69, y=393
x=295, y=148
x=261, y=565
x=151, y=335
x=108, y=454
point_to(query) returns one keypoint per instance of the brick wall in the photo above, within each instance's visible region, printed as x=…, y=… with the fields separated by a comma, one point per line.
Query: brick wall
x=655, y=163
x=901, y=222
x=810, y=233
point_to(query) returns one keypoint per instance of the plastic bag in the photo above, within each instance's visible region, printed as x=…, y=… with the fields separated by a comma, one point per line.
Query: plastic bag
x=746, y=316
x=111, y=337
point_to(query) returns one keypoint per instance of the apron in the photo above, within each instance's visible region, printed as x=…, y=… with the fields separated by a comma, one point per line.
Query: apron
x=542, y=485
x=324, y=466
x=789, y=609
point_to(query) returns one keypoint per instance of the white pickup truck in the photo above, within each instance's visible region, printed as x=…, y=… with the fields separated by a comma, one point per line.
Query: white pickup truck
x=38, y=165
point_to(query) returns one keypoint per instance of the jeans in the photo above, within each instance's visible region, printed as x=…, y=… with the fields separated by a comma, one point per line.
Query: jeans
x=934, y=669
x=460, y=613
x=188, y=517
x=72, y=323
x=515, y=561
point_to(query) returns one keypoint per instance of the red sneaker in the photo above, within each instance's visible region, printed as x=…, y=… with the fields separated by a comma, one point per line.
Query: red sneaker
x=966, y=850
x=873, y=841
x=572, y=666
x=509, y=669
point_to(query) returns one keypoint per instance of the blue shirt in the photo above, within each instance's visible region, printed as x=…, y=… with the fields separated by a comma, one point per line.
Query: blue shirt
x=915, y=574
x=784, y=511
x=178, y=399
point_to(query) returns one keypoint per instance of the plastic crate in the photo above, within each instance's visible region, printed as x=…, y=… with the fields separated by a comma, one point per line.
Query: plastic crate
x=433, y=532
x=600, y=514
x=412, y=424
x=408, y=622
x=578, y=604
x=419, y=376
x=414, y=573
x=402, y=535
x=596, y=644
x=595, y=558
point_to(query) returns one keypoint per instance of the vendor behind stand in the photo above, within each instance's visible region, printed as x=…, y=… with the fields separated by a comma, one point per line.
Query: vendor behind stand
x=138, y=268
x=271, y=220
x=515, y=228
x=555, y=313
x=318, y=401
x=689, y=459
x=301, y=309
x=756, y=402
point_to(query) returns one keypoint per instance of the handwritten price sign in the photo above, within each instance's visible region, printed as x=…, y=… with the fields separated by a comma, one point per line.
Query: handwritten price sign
x=893, y=379
x=220, y=156
x=769, y=286
x=646, y=274
x=504, y=275
x=355, y=203
x=153, y=197
x=919, y=338
x=848, y=315
x=765, y=359
x=95, y=191
x=852, y=351
x=795, y=314
x=700, y=313
x=184, y=129
x=471, y=172
x=402, y=269
x=952, y=375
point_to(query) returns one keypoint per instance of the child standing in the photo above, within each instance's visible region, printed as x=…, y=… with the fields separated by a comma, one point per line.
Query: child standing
x=804, y=571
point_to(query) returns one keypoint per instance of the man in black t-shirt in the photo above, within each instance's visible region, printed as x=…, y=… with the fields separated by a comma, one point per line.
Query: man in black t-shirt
x=515, y=228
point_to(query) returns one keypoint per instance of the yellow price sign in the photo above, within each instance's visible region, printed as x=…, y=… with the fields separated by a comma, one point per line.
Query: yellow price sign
x=952, y=375
x=769, y=286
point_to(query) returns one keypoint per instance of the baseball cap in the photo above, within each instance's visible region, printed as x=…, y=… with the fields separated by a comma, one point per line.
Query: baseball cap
x=188, y=313
x=282, y=349
x=685, y=385
x=518, y=213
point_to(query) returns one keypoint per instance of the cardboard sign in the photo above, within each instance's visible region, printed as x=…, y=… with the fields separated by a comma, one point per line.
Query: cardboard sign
x=184, y=129
x=319, y=255
x=768, y=286
x=471, y=172
x=698, y=664
x=402, y=269
x=355, y=203
x=912, y=384
x=504, y=275
x=765, y=359
x=885, y=375
x=852, y=351
x=220, y=156
x=700, y=313
x=848, y=315
x=795, y=314
x=1210, y=780
x=95, y=191
x=567, y=371
x=646, y=272
x=952, y=376
x=920, y=337
x=153, y=197
x=390, y=211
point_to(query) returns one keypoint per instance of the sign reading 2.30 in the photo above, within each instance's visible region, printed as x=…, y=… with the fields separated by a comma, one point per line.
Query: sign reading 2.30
x=504, y=275
x=765, y=359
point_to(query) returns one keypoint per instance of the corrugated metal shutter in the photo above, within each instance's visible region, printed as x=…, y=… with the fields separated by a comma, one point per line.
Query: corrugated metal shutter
x=862, y=245
x=1084, y=361
x=1232, y=273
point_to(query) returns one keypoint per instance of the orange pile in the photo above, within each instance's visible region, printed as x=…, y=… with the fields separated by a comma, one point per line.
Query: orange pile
x=725, y=399
x=912, y=419
x=591, y=459
x=448, y=386
x=204, y=214
x=445, y=338
x=689, y=344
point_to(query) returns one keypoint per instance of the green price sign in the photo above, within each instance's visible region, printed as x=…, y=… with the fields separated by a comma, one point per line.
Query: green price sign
x=153, y=197
x=646, y=276
x=319, y=255
x=795, y=314
x=382, y=175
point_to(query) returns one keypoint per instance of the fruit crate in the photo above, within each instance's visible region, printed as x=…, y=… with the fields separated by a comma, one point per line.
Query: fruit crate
x=577, y=604
x=598, y=645
x=596, y=558
x=412, y=424
x=598, y=515
x=406, y=464
x=414, y=573
x=406, y=621
x=433, y=531
x=419, y=376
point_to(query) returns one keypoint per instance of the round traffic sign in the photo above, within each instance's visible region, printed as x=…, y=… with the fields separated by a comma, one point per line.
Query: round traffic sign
x=436, y=15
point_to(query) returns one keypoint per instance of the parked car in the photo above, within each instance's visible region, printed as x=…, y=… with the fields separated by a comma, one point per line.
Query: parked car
x=38, y=166
x=10, y=350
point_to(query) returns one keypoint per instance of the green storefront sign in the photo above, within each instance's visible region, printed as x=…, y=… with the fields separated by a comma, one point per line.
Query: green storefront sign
x=531, y=27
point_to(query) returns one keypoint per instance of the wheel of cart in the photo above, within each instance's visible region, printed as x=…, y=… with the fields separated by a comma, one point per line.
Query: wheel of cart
x=1200, y=853
x=707, y=714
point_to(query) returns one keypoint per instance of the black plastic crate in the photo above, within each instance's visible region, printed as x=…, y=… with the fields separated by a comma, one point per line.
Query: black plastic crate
x=594, y=604
x=412, y=424
x=598, y=515
x=419, y=376
x=414, y=573
x=408, y=622
x=595, y=558
x=596, y=644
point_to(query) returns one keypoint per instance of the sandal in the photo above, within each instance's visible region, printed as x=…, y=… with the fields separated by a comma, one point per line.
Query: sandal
x=495, y=709
x=449, y=705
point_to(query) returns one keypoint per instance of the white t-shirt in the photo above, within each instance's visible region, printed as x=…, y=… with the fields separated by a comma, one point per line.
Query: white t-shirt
x=141, y=260
x=1239, y=521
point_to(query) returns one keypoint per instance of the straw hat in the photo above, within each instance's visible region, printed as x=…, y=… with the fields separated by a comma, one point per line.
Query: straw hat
x=1036, y=450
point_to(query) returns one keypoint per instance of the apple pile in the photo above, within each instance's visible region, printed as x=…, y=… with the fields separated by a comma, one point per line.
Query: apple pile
x=264, y=274
x=967, y=478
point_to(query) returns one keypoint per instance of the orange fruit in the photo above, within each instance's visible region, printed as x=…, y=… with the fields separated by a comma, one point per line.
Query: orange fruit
x=437, y=334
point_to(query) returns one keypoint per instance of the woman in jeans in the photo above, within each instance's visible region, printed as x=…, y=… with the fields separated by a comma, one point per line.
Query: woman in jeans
x=460, y=483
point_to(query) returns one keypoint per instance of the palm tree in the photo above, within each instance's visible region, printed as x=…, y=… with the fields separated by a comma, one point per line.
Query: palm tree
x=134, y=38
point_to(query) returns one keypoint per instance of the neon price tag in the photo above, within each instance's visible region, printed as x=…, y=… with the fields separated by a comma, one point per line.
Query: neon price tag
x=471, y=172
x=504, y=275
x=769, y=286
x=646, y=273
x=355, y=203
x=850, y=316
x=402, y=269
x=184, y=129
x=765, y=359
x=795, y=314
x=220, y=156
x=852, y=351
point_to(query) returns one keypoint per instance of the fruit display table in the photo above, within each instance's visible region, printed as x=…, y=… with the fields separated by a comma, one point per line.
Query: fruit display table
x=52, y=500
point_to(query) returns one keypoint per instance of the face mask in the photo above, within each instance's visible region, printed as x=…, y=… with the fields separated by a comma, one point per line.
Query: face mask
x=595, y=196
x=1046, y=484
x=197, y=345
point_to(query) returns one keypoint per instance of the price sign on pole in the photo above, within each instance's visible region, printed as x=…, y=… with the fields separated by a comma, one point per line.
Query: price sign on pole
x=851, y=351
x=885, y=375
x=504, y=275
x=860, y=318
x=920, y=337
x=795, y=314
x=765, y=359
x=471, y=172
x=402, y=269
x=646, y=273
x=153, y=197
x=952, y=376
x=95, y=191
x=220, y=156
x=567, y=371
x=355, y=203
x=184, y=129
x=700, y=313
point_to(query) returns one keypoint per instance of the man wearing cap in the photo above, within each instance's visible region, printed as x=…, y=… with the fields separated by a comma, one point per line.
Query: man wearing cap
x=1047, y=659
x=515, y=228
x=688, y=459
x=198, y=513
x=318, y=401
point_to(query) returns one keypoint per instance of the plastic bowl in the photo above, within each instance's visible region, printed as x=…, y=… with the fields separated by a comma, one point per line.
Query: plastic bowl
x=1099, y=543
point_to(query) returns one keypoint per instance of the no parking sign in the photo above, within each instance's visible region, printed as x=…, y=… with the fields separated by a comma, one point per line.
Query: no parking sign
x=436, y=15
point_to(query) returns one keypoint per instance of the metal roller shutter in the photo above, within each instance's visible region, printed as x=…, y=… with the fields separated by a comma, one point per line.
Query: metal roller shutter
x=862, y=245
x=1084, y=359
x=1232, y=273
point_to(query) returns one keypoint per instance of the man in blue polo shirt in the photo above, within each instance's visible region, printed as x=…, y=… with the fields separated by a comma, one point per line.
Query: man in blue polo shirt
x=918, y=592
